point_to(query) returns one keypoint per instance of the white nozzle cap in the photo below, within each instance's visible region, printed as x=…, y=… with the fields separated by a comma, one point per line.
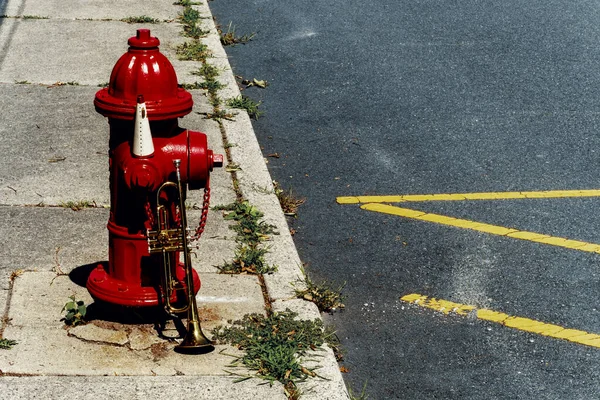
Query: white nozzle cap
x=142, y=137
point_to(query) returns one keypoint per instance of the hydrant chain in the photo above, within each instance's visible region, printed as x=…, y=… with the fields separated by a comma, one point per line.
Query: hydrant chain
x=204, y=216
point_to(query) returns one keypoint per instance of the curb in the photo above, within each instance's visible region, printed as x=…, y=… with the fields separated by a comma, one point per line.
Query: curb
x=256, y=185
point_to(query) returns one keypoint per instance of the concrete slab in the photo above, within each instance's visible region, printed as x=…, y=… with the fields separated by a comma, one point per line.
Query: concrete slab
x=85, y=53
x=90, y=9
x=57, y=147
x=46, y=347
x=42, y=239
x=135, y=388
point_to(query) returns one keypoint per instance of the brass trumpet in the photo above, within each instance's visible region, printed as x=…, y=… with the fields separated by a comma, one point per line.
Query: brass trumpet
x=169, y=242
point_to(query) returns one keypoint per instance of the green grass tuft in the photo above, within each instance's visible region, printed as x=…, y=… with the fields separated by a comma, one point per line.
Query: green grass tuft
x=326, y=297
x=251, y=233
x=192, y=51
x=230, y=38
x=246, y=103
x=142, y=19
x=7, y=344
x=275, y=345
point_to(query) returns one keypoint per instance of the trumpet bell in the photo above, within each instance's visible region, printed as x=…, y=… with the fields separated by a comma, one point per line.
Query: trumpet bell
x=194, y=341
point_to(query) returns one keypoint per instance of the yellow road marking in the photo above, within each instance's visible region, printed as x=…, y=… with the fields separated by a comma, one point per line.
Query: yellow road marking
x=481, y=227
x=549, y=194
x=520, y=323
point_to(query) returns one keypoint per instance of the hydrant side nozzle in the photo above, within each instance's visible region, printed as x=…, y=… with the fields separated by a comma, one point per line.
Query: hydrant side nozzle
x=217, y=160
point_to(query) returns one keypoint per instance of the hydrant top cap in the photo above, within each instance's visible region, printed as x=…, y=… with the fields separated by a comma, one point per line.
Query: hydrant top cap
x=143, y=70
x=143, y=40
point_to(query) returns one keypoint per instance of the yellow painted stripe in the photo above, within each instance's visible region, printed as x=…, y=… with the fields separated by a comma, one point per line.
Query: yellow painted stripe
x=549, y=194
x=481, y=227
x=520, y=323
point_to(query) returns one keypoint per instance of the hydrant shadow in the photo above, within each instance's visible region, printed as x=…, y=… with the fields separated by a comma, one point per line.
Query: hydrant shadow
x=114, y=313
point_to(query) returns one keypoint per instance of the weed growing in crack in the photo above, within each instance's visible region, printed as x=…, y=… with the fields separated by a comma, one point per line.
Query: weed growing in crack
x=142, y=19
x=289, y=202
x=189, y=18
x=362, y=396
x=186, y=3
x=218, y=115
x=78, y=205
x=207, y=71
x=195, y=31
x=326, y=297
x=246, y=103
x=248, y=259
x=229, y=38
x=212, y=85
x=251, y=234
x=275, y=345
x=192, y=51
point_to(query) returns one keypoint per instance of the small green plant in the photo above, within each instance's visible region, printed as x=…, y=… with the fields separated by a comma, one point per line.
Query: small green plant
x=207, y=71
x=326, y=297
x=362, y=396
x=289, y=202
x=23, y=82
x=194, y=31
x=7, y=344
x=189, y=19
x=218, y=115
x=275, y=345
x=248, y=259
x=246, y=103
x=232, y=167
x=75, y=312
x=189, y=16
x=34, y=17
x=142, y=19
x=186, y=3
x=192, y=51
x=249, y=226
x=59, y=83
x=191, y=86
x=251, y=233
x=104, y=84
x=212, y=85
x=78, y=205
x=229, y=38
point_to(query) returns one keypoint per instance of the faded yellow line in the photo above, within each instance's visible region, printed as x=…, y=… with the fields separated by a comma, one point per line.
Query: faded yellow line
x=549, y=194
x=481, y=227
x=520, y=323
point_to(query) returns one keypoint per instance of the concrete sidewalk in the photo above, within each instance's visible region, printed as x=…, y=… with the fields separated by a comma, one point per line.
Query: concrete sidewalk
x=53, y=57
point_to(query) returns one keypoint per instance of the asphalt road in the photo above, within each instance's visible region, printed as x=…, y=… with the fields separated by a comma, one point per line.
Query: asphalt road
x=428, y=96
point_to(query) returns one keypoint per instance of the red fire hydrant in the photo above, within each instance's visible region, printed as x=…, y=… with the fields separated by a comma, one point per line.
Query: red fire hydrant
x=152, y=160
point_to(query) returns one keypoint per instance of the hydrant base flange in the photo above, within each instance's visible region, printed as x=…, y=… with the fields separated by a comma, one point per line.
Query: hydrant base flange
x=105, y=288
